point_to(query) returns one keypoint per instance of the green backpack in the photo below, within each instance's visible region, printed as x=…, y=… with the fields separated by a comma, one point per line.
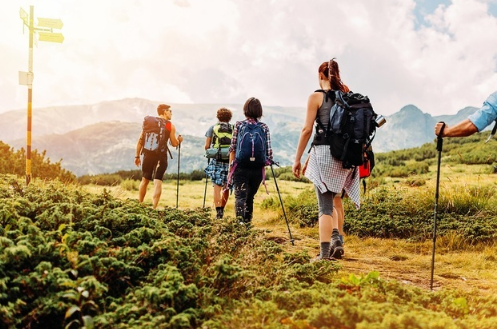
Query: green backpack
x=221, y=141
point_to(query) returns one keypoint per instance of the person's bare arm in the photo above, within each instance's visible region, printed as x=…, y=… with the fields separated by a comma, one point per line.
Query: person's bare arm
x=463, y=128
x=207, y=142
x=304, y=168
x=313, y=104
x=175, y=141
x=139, y=147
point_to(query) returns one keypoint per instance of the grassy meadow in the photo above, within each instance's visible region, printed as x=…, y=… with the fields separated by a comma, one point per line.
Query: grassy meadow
x=91, y=256
x=459, y=263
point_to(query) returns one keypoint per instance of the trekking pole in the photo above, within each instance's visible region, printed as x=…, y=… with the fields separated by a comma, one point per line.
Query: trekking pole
x=440, y=142
x=281, y=202
x=177, y=178
x=206, y=179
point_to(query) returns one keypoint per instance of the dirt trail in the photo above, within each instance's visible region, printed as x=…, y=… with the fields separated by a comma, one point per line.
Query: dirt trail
x=408, y=262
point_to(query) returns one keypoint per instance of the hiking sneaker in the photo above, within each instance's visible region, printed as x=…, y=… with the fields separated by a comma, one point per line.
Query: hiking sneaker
x=336, y=249
x=319, y=258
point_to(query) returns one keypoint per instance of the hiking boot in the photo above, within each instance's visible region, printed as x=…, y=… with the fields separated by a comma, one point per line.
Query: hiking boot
x=336, y=250
x=248, y=225
x=319, y=258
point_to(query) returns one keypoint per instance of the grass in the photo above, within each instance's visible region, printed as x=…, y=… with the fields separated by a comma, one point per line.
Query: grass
x=458, y=264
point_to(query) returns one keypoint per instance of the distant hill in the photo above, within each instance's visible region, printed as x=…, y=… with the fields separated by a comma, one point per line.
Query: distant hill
x=101, y=138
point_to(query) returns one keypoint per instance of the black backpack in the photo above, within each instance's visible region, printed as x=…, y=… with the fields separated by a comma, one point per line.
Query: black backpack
x=351, y=128
x=156, y=132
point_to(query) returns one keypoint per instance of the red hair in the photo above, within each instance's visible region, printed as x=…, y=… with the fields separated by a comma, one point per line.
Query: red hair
x=331, y=71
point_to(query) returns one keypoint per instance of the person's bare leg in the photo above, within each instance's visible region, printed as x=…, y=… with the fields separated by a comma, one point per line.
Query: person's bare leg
x=338, y=206
x=336, y=249
x=225, y=196
x=142, y=190
x=218, y=201
x=157, y=192
x=326, y=227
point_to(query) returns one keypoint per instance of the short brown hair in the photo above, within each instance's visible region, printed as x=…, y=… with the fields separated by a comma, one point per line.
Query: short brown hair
x=162, y=108
x=224, y=115
x=252, y=108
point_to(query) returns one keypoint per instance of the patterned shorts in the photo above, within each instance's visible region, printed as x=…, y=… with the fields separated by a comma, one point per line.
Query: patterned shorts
x=217, y=172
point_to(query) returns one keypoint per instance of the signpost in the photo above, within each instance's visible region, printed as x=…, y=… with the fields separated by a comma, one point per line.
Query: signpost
x=50, y=37
x=45, y=33
x=53, y=23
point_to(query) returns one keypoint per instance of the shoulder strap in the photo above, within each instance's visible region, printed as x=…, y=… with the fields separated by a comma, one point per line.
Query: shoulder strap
x=214, y=134
x=328, y=94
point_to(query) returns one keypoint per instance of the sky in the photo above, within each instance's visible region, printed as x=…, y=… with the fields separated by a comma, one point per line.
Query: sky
x=440, y=55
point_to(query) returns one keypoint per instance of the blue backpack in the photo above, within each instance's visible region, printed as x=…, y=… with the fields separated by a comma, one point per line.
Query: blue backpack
x=251, y=145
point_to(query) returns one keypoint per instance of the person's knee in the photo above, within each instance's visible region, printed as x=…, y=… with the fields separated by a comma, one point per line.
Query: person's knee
x=326, y=212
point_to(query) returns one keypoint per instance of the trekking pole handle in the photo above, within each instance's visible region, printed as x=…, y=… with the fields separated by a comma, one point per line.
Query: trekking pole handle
x=440, y=139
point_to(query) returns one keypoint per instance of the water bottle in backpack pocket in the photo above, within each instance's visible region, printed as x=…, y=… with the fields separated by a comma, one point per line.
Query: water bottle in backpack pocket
x=251, y=145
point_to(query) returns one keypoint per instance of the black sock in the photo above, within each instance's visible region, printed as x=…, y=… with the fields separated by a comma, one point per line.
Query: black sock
x=219, y=212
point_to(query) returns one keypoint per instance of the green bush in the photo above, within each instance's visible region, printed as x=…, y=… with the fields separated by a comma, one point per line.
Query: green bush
x=102, y=180
x=404, y=163
x=14, y=162
x=470, y=212
x=69, y=258
x=130, y=185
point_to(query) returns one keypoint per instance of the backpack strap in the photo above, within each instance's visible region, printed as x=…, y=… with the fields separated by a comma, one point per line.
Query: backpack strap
x=328, y=93
x=230, y=174
x=168, y=125
x=214, y=135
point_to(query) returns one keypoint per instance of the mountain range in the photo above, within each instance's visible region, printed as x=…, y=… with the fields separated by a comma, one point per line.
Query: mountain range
x=101, y=138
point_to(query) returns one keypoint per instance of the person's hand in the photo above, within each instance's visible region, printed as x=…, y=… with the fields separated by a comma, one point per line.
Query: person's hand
x=138, y=162
x=304, y=168
x=438, y=127
x=180, y=139
x=296, y=169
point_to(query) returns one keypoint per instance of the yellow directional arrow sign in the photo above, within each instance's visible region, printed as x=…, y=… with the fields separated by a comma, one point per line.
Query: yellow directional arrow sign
x=53, y=23
x=24, y=16
x=50, y=37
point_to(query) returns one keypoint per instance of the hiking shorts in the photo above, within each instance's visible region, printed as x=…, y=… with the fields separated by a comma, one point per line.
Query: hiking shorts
x=217, y=172
x=325, y=202
x=154, y=165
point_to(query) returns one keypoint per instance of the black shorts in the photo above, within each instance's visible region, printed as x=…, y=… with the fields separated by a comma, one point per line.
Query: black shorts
x=154, y=162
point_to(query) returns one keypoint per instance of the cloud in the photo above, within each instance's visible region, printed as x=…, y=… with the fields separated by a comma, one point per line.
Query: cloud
x=224, y=51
